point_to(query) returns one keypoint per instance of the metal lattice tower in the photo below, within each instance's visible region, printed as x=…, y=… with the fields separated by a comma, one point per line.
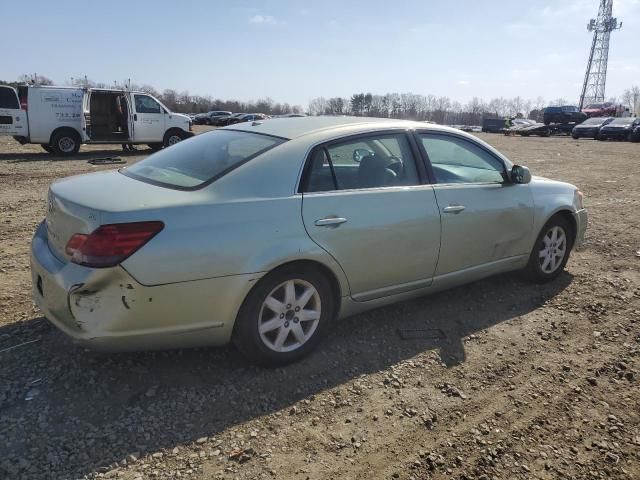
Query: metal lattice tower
x=595, y=78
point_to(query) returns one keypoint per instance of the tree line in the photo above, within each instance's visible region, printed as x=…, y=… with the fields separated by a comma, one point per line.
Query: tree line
x=446, y=111
x=411, y=106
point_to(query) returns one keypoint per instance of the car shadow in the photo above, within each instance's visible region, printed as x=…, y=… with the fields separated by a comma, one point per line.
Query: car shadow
x=49, y=157
x=107, y=406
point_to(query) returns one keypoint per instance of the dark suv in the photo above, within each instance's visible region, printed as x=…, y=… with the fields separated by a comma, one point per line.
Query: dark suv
x=564, y=114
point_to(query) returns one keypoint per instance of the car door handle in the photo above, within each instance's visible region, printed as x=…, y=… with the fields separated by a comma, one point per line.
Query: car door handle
x=330, y=222
x=453, y=209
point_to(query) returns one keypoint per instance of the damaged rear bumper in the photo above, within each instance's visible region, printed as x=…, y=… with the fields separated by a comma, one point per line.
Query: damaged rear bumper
x=108, y=309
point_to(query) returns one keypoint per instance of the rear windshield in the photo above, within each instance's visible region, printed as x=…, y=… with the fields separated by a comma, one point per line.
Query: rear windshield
x=8, y=98
x=200, y=160
x=594, y=121
x=623, y=121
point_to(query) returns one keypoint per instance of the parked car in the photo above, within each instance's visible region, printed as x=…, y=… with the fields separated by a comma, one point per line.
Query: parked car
x=174, y=251
x=619, y=129
x=62, y=118
x=248, y=117
x=227, y=120
x=606, y=109
x=590, y=127
x=564, y=114
x=636, y=134
x=210, y=117
x=493, y=125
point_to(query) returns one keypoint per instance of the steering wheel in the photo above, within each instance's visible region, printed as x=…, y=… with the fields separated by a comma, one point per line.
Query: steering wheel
x=395, y=165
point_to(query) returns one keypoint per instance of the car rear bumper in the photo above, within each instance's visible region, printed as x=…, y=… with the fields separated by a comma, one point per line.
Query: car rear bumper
x=108, y=309
x=582, y=219
x=585, y=132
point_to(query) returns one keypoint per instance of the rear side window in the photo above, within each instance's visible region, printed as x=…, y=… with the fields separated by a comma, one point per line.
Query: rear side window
x=375, y=161
x=193, y=163
x=8, y=98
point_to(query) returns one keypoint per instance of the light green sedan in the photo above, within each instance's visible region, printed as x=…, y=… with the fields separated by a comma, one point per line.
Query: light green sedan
x=265, y=233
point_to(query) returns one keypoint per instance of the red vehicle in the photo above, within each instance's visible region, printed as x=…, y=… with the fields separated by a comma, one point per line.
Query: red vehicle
x=606, y=109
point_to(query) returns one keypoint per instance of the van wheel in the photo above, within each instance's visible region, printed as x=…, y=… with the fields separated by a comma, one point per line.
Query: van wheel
x=285, y=316
x=46, y=147
x=171, y=138
x=551, y=251
x=66, y=143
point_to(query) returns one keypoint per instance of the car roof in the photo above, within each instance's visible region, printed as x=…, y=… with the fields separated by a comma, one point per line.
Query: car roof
x=294, y=127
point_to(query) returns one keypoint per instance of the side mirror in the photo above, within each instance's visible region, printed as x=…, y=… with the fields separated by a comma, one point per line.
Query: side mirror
x=360, y=153
x=520, y=174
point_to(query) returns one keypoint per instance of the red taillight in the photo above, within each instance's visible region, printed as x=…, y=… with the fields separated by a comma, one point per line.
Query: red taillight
x=108, y=245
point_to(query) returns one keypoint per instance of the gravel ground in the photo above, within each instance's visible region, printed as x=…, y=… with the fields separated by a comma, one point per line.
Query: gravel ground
x=502, y=380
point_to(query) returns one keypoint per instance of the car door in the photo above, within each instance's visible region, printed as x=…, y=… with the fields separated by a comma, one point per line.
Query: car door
x=13, y=120
x=366, y=203
x=148, y=119
x=485, y=218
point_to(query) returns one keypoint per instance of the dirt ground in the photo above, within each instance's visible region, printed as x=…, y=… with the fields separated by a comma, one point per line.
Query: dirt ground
x=504, y=379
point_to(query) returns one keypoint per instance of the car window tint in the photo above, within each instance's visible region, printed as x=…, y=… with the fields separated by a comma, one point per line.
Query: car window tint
x=371, y=162
x=146, y=104
x=8, y=98
x=455, y=160
x=199, y=160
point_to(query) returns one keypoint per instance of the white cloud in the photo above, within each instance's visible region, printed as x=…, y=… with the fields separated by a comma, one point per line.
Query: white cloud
x=263, y=19
x=463, y=82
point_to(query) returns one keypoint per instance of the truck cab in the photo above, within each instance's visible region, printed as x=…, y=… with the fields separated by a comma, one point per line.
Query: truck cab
x=121, y=116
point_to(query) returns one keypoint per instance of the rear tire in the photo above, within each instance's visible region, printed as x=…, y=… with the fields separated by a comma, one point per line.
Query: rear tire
x=551, y=251
x=46, y=147
x=65, y=143
x=270, y=329
x=574, y=136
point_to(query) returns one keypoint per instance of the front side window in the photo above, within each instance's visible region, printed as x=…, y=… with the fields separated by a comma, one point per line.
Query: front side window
x=200, y=160
x=455, y=160
x=384, y=160
x=146, y=104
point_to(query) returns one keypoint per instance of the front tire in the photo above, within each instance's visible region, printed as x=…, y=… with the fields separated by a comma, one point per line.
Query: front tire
x=285, y=316
x=551, y=251
x=46, y=147
x=171, y=138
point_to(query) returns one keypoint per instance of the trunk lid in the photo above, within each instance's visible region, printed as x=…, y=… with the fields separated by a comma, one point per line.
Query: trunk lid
x=82, y=203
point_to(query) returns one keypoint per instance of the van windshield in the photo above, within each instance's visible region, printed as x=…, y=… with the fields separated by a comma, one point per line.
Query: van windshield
x=192, y=163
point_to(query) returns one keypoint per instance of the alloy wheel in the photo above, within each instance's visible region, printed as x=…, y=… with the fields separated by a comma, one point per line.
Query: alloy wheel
x=289, y=315
x=553, y=249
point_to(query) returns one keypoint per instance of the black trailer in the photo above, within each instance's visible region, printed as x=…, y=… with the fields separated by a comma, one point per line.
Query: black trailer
x=493, y=125
x=542, y=130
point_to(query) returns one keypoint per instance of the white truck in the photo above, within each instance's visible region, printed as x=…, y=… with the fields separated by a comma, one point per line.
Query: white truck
x=62, y=118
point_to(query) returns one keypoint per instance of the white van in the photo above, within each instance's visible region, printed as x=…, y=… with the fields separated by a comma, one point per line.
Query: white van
x=61, y=118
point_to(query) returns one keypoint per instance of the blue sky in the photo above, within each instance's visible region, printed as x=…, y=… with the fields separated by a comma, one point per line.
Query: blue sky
x=295, y=50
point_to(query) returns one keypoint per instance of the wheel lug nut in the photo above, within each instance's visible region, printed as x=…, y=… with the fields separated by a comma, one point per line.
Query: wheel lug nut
x=297, y=309
x=288, y=305
x=295, y=319
x=282, y=315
